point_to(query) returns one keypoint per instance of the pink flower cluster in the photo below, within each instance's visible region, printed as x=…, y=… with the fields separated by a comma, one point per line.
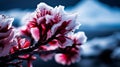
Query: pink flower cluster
x=6, y=35
x=48, y=31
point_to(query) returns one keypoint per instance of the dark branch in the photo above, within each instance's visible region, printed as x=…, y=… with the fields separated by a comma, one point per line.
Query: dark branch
x=28, y=50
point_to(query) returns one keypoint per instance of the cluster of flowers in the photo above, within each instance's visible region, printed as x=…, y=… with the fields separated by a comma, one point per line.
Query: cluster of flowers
x=48, y=31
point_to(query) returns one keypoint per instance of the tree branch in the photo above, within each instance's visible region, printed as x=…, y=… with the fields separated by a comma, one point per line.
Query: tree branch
x=28, y=50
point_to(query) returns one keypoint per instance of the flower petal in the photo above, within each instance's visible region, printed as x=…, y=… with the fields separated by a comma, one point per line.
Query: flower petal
x=5, y=21
x=5, y=34
x=59, y=58
x=35, y=33
x=80, y=37
x=64, y=41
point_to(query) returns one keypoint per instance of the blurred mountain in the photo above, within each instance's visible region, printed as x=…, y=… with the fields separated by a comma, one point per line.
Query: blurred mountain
x=97, y=19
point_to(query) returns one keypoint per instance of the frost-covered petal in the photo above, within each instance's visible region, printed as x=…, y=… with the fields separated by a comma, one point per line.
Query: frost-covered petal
x=24, y=30
x=35, y=33
x=24, y=43
x=7, y=47
x=21, y=43
x=42, y=6
x=60, y=58
x=55, y=27
x=69, y=56
x=5, y=21
x=80, y=37
x=9, y=38
x=64, y=41
x=30, y=16
x=43, y=9
x=5, y=34
x=49, y=34
x=41, y=20
x=73, y=24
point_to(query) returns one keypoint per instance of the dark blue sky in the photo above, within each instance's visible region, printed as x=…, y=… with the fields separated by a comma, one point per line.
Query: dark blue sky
x=31, y=4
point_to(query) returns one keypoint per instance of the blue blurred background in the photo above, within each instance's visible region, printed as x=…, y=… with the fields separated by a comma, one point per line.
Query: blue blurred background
x=100, y=21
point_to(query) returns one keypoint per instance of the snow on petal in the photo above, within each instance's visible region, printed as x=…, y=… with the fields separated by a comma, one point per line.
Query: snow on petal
x=64, y=41
x=73, y=24
x=44, y=9
x=43, y=6
x=5, y=21
x=80, y=37
x=6, y=35
x=55, y=27
x=58, y=9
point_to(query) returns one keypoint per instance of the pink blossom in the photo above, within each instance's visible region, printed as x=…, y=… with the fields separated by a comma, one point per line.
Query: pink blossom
x=21, y=43
x=69, y=55
x=78, y=38
x=47, y=21
x=54, y=25
x=35, y=33
x=48, y=32
x=64, y=41
x=6, y=35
